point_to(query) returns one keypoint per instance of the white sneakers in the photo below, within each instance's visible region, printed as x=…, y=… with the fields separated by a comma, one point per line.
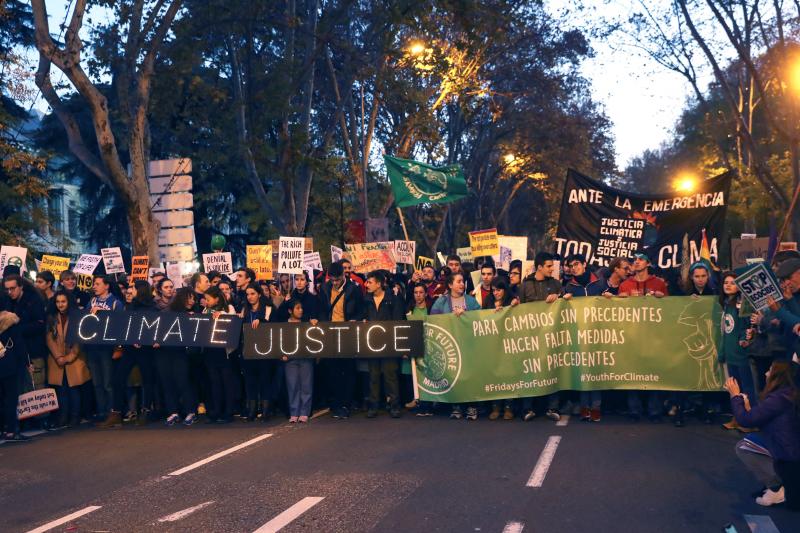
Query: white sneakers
x=771, y=497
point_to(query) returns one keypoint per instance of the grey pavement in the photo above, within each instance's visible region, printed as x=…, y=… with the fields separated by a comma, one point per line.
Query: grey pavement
x=407, y=475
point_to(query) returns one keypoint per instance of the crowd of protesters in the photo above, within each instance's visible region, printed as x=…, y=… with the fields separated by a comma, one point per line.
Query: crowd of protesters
x=136, y=385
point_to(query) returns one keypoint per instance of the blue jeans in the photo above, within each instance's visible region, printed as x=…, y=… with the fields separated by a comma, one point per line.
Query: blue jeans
x=299, y=384
x=744, y=376
x=69, y=399
x=102, y=370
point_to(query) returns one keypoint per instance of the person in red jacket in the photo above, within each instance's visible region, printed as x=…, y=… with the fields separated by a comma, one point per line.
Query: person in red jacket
x=642, y=282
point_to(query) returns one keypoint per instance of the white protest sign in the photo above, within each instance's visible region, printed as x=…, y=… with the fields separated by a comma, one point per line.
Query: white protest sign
x=87, y=263
x=175, y=274
x=465, y=254
x=220, y=261
x=36, y=402
x=517, y=245
x=290, y=255
x=12, y=255
x=336, y=254
x=312, y=262
x=757, y=284
x=405, y=251
x=112, y=259
x=504, y=258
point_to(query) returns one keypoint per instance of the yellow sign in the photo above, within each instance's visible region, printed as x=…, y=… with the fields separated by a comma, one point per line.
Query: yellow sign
x=85, y=282
x=259, y=258
x=422, y=262
x=54, y=264
x=139, y=267
x=484, y=242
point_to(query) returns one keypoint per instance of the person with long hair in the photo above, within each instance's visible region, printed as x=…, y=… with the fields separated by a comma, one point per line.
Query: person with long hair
x=778, y=417
x=172, y=363
x=502, y=297
x=457, y=301
x=732, y=349
x=66, y=365
x=257, y=372
x=218, y=363
x=164, y=293
x=299, y=374
x=418, y=309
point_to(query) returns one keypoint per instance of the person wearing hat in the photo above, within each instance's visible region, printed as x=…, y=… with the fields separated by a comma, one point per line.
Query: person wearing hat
x=642, y=282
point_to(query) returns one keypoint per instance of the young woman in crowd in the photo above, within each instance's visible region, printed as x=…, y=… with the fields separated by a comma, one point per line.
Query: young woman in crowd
x=503, y=297
x=66, y=367
x=778, y=417
x=299, y=374
x=257, y=372
x=226, y=286
x=164, y=293
x=218, y=364
x=457, y=301
x=417, y=310
x=732, y=349
x=172, y=363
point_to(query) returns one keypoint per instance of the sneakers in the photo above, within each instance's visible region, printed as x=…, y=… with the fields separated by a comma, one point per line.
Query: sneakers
x=528, y=416
x=495, y=414
x=190, y=419
x=342, y=413
x=553, y=415
x=293, y=419
x=130, y=416
x=113, y=420
x=172, y=419
x=456, y=414
x=472, y=413
x=586, y=414
x=424, y=412
x=508, y=414
x=303, y=419
x=595, y=415
x=771, y=497
x=394, y=412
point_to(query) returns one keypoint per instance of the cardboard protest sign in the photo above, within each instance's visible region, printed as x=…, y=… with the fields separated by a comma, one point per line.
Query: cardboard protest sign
x=12, y=255
x=527, y=268
x=175, y=274
x=112, y=260
x=422, y=262
x=37, y=402
x=504, y=261
x=517, y=245
x=220, y=261
x=475, y=275
x=54, y=264
x=290, y=255
x=442, y=258
x=87, y=263
x=85, y=282
x=465, y=254
x=744, y=249
x=312, y=262
x=757, y=284
x=787, y=245
x=336, y=254
x=404, y=252
x=484, y=242
x=259, y=258
x=370, y=256
x=140, y=267
x=308, y=245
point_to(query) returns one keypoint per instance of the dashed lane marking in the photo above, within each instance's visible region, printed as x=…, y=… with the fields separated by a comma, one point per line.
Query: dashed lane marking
x=174, y=517
x=219, y=455
x=564, y=420
x=63, y=520
x=760, y=523
x=514, y=527
x=543, y=464
x=289, y=515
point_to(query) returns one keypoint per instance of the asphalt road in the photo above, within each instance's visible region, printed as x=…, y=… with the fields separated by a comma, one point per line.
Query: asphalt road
x=384, y=475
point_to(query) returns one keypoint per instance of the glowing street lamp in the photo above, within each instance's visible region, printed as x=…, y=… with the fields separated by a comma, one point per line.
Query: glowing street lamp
x=509, y=158
x=416, y=48
x=685, y=183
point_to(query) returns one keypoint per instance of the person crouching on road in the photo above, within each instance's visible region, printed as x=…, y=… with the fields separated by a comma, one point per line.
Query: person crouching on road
x=456, y=301
x=778, y=416
x=299, y=375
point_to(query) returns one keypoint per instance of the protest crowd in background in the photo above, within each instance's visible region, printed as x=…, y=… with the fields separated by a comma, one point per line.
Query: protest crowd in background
x=136, y=385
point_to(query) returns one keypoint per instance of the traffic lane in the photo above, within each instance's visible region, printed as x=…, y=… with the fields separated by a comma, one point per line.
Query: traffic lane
x=69, y=469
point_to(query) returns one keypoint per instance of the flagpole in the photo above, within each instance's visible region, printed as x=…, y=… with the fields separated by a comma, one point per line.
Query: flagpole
x=402, y=222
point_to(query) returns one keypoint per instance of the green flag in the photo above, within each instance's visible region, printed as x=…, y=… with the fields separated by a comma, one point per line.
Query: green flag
x=417, y=183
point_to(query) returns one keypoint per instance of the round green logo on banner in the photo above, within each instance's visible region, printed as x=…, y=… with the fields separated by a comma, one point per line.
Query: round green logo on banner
x=442, y=363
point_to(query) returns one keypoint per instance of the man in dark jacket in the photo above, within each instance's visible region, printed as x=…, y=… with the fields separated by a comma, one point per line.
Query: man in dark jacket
x=25, y=302
x=383, y=305
x=12, y=364
x=340, y=300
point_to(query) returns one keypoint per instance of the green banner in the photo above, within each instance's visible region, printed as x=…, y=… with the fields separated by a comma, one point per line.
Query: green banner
x=590, y=343
x=417, y=183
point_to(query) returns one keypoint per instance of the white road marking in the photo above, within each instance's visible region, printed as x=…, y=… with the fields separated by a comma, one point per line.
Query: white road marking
x=564, y=420
x=514, y=527
x=216, y=456
x=289, y=515
x=55, y=523
x=760, y=523
x=321, y=412
x=174, y=517
x=543, y=464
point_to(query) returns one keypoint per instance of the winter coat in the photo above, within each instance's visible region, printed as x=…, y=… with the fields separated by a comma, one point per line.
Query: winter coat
x=534, y=290
x=13, y=353
x=353, y=301
x=444, y=304
x=75, y=367
x=778, y=421
x=734, y=329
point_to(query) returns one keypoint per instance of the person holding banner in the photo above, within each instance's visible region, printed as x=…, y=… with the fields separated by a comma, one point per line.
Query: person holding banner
x=218, y=363
x=456, y=301
x=341, y=300
x=199, y=283
x=172, y=364
x=299, y=374
x=68, y=281
x=501, y=293
x=66, y=366
x=164, y=293
x=101, y=358
x=257, y=372
x=736, y=336
x=383, y=305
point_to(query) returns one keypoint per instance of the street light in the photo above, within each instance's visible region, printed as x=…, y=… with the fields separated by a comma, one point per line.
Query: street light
x=509, y=158
x=685, y=183
x=416, y=48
